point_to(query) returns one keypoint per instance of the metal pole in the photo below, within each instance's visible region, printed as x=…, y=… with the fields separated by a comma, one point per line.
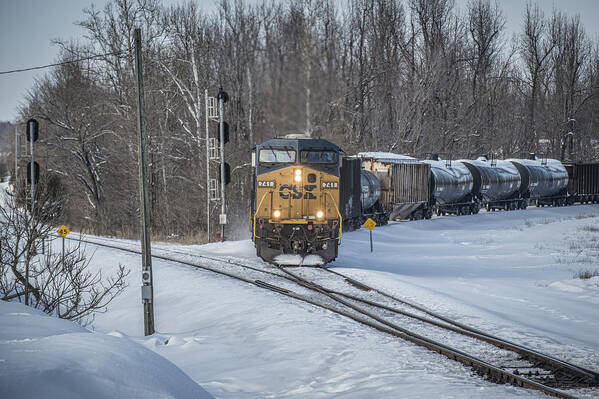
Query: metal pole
x=148, y=293
x=221, y=120
x=31, y=170
x=370, y=240
x=32, y=174
x=16, y=156
x=62, y=253
x=207, y=167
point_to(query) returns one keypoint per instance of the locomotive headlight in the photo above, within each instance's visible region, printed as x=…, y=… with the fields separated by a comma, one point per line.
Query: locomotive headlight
x=298, y=175
x=320, y=214
x=276, y=214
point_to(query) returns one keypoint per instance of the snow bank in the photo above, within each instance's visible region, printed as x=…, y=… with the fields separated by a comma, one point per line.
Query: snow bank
x=46, y=357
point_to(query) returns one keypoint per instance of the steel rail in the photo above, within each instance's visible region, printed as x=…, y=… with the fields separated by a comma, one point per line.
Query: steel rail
x=483, y=367
x=486, y=369
x=501, y=342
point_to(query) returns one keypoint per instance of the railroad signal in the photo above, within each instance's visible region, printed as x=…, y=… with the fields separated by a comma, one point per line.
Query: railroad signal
x=36, y=173
x=227, y=173
x=225, y=133
x=32, y=131
x=225, y=169
x=222, y=95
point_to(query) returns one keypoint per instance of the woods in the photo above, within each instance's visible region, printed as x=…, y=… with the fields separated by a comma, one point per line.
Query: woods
x=413, y=77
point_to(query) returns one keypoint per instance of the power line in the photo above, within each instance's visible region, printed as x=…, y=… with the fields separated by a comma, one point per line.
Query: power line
x=61, y=63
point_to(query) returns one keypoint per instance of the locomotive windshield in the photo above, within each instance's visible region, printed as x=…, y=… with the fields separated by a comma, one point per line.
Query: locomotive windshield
x=314, y=156
x=277, y=155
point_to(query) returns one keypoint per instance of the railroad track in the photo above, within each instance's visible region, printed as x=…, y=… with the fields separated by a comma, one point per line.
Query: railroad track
x=496, y=359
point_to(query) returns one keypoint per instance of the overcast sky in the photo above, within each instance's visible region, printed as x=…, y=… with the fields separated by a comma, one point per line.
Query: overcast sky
x=27, y=28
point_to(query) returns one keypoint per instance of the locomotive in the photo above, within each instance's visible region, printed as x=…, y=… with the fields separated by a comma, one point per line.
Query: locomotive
x=295, y=204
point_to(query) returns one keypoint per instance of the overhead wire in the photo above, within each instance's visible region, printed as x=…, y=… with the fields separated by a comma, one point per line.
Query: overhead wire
x=118, y=53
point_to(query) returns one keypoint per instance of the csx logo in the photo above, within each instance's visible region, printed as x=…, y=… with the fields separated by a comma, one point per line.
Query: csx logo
x=330, y=184
x=287, y=191
x=270, y=184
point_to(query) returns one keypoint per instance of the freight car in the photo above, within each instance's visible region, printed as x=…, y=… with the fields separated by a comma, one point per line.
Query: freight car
x=451, y=188
x=296, y=195
x=543, y=181
x=583, y=182
x=350, y=193
x=404, y=185
x=496, y=184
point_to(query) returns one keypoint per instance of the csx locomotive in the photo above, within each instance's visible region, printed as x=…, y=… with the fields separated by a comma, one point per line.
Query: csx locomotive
x=295, y=206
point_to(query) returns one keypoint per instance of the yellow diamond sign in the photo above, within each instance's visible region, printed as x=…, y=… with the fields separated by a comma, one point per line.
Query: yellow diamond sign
x=369, y=224
x=63, y=231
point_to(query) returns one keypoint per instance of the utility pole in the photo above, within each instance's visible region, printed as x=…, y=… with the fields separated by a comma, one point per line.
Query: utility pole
x=207, y=166
x=147, y=289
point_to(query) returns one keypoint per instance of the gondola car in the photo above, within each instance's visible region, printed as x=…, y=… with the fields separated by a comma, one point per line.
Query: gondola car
x=295, y=208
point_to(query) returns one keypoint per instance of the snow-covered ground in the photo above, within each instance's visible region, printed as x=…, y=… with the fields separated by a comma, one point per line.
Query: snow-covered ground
x=45, y=357
x=510, y=273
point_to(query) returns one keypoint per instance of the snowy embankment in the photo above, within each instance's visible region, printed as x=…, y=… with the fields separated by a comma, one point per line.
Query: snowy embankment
x=45, y=357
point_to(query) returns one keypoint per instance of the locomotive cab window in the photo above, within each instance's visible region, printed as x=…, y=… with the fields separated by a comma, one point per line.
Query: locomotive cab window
x=315, y=156
x=277, y=155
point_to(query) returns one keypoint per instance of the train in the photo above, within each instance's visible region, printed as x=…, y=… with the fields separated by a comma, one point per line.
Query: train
x=306, y=192
x=295, y=202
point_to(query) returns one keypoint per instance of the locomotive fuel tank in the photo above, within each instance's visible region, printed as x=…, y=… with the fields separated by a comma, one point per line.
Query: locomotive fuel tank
x=451, y=182
x=493, y=180
x=541, y=178
x=371, y=189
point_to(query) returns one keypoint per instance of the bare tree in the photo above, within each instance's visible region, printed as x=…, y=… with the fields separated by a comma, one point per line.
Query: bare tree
x=65, y=287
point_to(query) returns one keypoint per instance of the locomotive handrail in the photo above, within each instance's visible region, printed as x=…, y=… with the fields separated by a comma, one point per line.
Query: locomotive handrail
x=338, y=214
x=258, y=207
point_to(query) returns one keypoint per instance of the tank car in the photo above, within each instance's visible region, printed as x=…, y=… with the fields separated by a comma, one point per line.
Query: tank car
x=296, y=195
x=451, y=188
x=543, y=181
x=496, y=184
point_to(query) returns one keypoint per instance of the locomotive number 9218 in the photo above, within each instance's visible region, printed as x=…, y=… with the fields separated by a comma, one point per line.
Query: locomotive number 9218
x=295, y=207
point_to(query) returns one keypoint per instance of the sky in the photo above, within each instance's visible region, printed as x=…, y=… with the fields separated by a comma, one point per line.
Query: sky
x=27, y=28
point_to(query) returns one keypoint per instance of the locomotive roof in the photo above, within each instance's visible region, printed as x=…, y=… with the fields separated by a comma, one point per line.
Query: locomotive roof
x=299, y=144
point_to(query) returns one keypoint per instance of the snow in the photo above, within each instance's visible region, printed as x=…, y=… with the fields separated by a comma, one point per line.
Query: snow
x=298, y=260
x=386, y=156
x=45, y=357
x=509, y=273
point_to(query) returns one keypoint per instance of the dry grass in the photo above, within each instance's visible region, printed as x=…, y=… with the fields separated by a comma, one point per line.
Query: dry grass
x=585, y=274
x=590, y=228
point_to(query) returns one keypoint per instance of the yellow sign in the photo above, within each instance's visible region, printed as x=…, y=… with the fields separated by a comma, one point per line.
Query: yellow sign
x=63, y=231
x=369, y=224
